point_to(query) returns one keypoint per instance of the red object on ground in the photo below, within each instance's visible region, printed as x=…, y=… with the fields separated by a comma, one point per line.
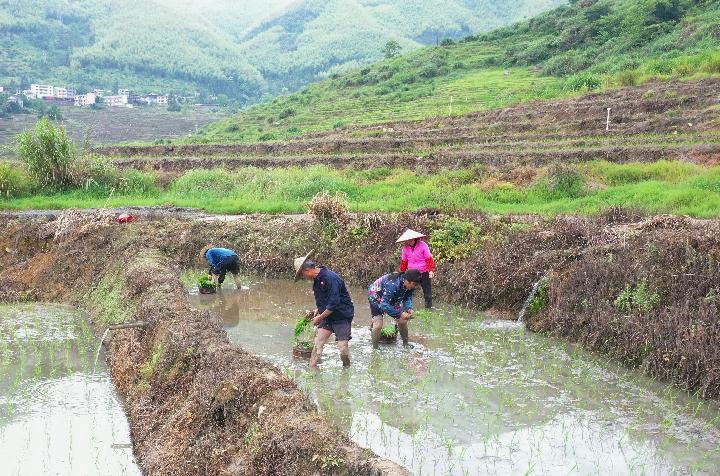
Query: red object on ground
x=126, y=218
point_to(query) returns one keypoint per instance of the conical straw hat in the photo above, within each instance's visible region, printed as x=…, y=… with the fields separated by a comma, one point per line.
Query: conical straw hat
x=409, y=235
x=299, y=262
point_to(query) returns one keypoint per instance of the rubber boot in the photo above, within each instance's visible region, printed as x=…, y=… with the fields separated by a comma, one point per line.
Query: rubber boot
x=345, y=359
x=404, y=334
x=375, y=334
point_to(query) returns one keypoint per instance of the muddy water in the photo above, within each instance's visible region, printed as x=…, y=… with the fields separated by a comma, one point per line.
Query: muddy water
x=481, y=396
x=56, y=415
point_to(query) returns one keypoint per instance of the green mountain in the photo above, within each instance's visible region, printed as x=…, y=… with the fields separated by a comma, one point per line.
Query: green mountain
x=314, y=38
x=246, y=50
x=588, y=44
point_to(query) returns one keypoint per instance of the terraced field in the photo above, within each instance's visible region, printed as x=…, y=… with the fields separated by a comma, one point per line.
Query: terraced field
x=663, y=120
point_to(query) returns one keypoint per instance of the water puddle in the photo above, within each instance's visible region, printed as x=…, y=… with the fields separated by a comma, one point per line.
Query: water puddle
x=56, y=415
x=479, y=396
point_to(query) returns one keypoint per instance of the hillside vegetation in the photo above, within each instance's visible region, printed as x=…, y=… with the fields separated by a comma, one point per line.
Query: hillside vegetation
x=586, y=45
x=246, y=51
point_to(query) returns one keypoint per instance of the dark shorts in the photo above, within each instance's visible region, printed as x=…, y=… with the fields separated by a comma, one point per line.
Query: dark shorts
x=341, y=329
x=231, y=264
x=377, y=313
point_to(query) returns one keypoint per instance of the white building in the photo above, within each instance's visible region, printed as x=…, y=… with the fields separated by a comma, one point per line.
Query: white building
x=85, y=99
x=116, y=101
x=160, y=99
x=51, y=92
x=2, y=89
x=123, y=92
x=42, y=91
x=63, y=93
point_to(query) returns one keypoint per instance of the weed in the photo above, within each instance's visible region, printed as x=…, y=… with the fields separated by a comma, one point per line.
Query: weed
x=638, y=298
x=541, y=299
x=251, y=433
x=14, y=181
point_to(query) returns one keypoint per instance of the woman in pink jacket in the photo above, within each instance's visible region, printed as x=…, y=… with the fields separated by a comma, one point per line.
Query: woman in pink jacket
x=416, y=255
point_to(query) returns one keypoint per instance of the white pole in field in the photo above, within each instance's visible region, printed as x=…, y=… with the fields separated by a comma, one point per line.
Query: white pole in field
x=607, y=125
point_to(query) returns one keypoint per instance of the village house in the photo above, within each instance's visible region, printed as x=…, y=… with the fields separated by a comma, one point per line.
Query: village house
x=49, y=92
x=85, y=99
x=160, y=99
x=120, y=100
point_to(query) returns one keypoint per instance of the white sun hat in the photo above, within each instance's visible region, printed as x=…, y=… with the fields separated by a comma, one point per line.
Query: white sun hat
x=299, y=262
x=409, y=235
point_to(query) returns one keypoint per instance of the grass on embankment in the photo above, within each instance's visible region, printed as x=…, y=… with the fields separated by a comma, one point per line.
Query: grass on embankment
x=660, y=187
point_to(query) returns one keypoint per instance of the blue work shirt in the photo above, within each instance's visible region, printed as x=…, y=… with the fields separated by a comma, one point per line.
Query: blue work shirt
x=389, y=295
x=216, y=255
x=331, y=293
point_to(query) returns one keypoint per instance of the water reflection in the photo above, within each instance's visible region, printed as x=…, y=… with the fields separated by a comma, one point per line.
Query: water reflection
x=477, y=396
x=56, y=416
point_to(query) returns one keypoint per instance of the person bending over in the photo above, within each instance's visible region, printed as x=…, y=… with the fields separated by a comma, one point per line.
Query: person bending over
x=221, y=260
x=392, y=294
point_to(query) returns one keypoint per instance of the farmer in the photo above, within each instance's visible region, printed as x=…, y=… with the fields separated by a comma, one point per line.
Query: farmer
x=221, y=260
x=334, y=310
x=416, y=255
x=392, y=294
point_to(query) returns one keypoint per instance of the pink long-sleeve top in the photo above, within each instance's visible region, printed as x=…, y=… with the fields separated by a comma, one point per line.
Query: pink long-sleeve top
x=417, y=257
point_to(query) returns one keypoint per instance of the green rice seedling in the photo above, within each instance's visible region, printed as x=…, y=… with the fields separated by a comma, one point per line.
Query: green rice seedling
x=389, y=332
x=206, y=285
x=304, y=332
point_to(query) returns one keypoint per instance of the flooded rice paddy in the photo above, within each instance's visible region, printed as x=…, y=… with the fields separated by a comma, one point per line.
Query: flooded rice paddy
x=480, y=396
x=58, y=415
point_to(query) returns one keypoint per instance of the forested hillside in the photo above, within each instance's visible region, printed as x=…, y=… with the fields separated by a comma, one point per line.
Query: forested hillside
x=586, y=45
x=315, y=37
x=245, y=50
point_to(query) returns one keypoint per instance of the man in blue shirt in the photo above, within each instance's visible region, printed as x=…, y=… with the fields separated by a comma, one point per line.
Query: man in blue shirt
x=222, y=260
x=334, y=310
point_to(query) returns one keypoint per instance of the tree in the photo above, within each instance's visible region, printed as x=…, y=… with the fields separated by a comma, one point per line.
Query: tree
x=174, y=106
x=54, y=113
x=391, y=49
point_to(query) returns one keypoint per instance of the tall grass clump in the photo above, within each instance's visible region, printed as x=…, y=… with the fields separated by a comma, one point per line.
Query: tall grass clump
x=212, y=182
x=14, y=181
x=712, y=64
x=48, y=154
x=99, y=176
x=564, y=182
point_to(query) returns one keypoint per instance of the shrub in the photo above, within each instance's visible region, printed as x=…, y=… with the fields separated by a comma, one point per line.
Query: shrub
x=268, y=136
x=54, y=113
x=48, y=154
x=14, y=181
x=712, y=64
x=285, y=113
x=662, y=67
x=566, y=64
x=639, y=298
x=583, y=81
x=630, y=77
x=564, y=182
x=456, y=239
x=330, y=209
